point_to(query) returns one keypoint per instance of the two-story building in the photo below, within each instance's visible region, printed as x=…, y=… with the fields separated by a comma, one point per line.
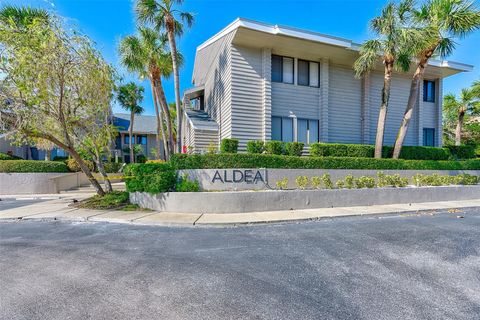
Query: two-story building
x=255, y=81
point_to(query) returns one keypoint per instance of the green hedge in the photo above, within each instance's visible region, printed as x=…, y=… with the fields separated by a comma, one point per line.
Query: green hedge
x=25, y=166
x=229, y=146
x=224, y=161
x=151, y=177
x=4, y=156
x=407, y=153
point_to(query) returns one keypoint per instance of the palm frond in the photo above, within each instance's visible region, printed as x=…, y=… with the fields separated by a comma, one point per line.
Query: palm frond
x=445, y=47
x=369, y=54
x=21, y=17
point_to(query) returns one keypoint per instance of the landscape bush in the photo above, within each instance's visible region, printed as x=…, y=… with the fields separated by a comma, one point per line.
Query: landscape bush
x=112, y=167
x=365, y=182
x=294, y=148
x=4, y=156
x=421, y=180
x=186, y=185
x=282, y=184
x=74, y=167
x=229, y=146
x=302, y=182
x=30, y=166
x=275, y=147
x=394, y=180
x=407, y=153
x=152, y=178
x=463, y=152
x=316, y=182
x=327, y=181
x=233, y=161
x=255, y=146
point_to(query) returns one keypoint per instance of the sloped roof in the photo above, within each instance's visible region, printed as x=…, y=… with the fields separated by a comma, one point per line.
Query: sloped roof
x=201, y=120
x=141, y=123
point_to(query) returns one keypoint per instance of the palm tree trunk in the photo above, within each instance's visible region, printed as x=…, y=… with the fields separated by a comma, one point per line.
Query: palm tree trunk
x=458, y=129
x=130, y=134
x=176, y=80
x=162, y=100
x=159, y=113
x=382, y=115
x=412, y=101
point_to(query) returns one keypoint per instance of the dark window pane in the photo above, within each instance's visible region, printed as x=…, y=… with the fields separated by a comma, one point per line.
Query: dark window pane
x=429, y=91
x=429, y=137
x=277, y=63
x=312, y=131
x=118, y=142
x=142, y=140
x=277, y=128
x=302, y=130
x=303, y=73
x=288, y=68
x=287, y=129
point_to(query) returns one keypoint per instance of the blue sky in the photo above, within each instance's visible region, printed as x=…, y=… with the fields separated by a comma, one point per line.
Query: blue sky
x=107, y=21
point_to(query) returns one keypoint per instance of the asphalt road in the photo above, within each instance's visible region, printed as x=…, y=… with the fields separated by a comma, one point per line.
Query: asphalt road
x=402, y=267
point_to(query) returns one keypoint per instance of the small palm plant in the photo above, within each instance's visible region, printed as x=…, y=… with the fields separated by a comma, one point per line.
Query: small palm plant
x=130, y=96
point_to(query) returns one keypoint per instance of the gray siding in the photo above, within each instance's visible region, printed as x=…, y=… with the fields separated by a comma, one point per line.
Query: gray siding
x=300, y=100
x=398, y=101
x=215, y=73
x=247, y=94
x=345, y=100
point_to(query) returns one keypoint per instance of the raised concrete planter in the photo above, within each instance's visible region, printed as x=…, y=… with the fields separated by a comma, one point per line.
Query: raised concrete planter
x=272, y=200
x=41, y=183
x=244, y=179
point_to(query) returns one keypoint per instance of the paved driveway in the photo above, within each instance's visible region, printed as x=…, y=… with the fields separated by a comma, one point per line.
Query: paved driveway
x=403, y=267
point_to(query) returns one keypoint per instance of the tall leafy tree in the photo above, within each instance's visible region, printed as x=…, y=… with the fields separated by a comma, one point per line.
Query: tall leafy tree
x=130, y=96
x=54, y=83
x=146, y=55
x=164, y=15
x=393, y=42
x=440, y=22
x=467, y=105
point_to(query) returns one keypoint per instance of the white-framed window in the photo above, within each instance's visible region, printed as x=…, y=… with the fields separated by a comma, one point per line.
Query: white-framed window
x=306, y=129
x=282, y=69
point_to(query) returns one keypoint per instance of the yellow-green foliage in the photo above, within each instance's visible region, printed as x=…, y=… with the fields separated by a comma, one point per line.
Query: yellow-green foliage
x=365, y=182
x=327, y=181
x=349, y=181
x=282, y=184
x=316, y=182
x=302, y=182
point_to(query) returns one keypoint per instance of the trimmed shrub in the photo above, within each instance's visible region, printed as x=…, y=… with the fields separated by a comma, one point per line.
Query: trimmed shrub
x=419, y=153
x=462, y=152
x=27, y=166
x=327, y=181
x=4, y=156
x=229, y=146
x=275, y=147
x=155, y=161
x=186, y=185
x=365, y=182
x=112, y=167
x=152, y=178
x=74, y=167
x=282, y=184
x=233, y=161
x=255, y=146
x=342, y=150
x=302, y=182
x=316, y=182
x=58, y=158
x=294, y=148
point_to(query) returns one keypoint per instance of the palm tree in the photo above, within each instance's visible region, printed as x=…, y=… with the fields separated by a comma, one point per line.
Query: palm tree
x=145, y=55
x=440, y=21
x=392, y=42
x=22, y=17
x=468, y=104
x=130, y=96
x=163, y=15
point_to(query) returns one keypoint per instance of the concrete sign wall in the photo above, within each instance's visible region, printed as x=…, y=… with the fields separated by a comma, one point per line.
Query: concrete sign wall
x=264, y=179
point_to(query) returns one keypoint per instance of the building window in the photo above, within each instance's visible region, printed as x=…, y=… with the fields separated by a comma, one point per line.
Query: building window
x=428, y=137
x=126, y=138
x=282, y=69
x=118, y=142
x=307, y=131
x=142, y=139
x=428, y=91
x=282, y=129
x=308, y=73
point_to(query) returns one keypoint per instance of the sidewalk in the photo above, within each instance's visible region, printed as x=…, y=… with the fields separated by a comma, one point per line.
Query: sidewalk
x=58, y=209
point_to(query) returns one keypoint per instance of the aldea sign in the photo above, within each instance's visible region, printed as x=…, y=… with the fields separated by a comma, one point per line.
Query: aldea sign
x=238, y=176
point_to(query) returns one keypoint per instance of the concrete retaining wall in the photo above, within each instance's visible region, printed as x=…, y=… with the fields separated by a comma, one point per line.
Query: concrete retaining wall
x=271, y=200
x=41, y=183
x=209, y=178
